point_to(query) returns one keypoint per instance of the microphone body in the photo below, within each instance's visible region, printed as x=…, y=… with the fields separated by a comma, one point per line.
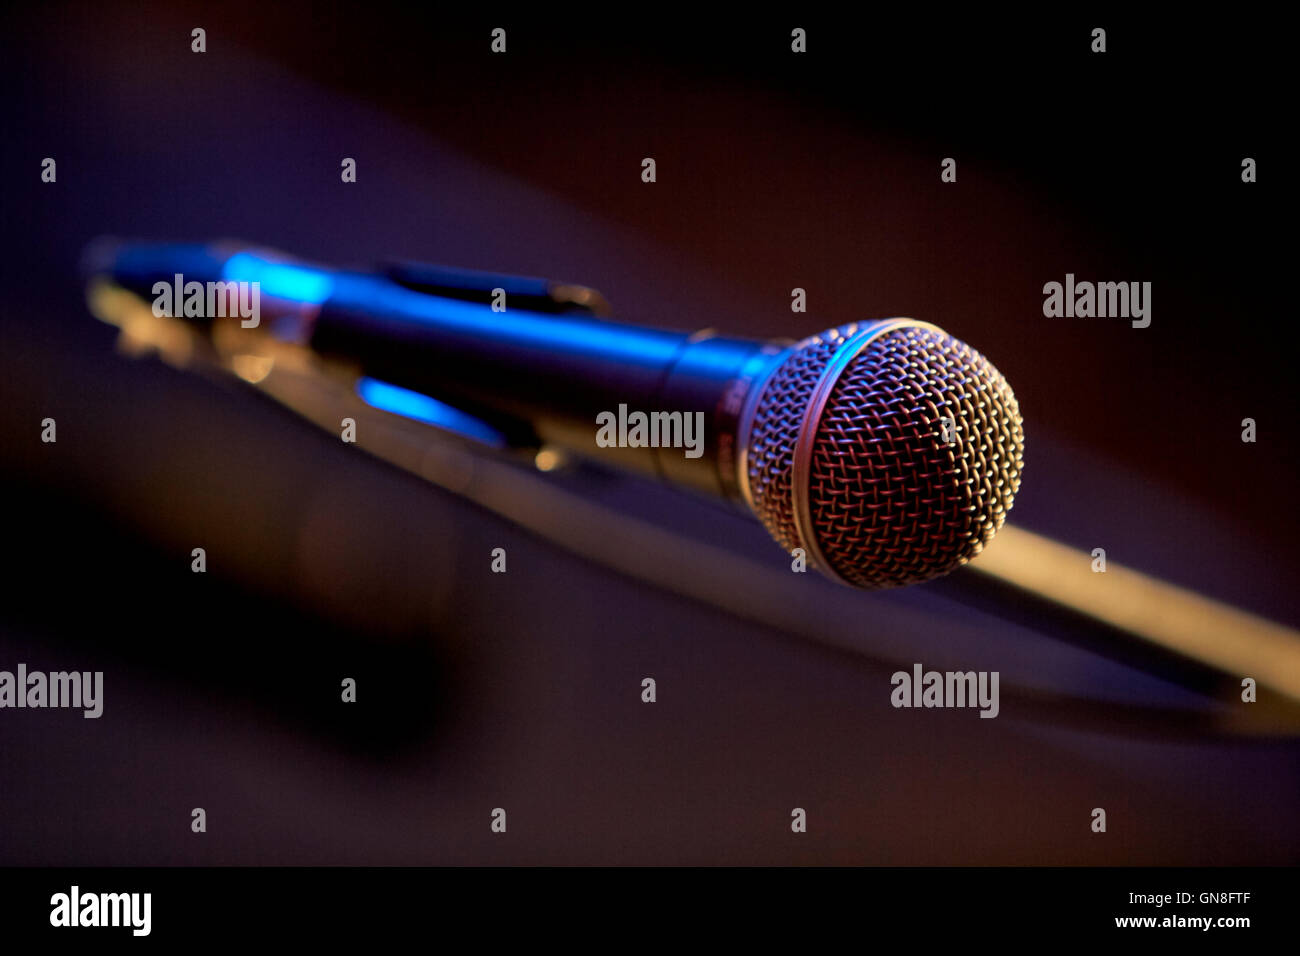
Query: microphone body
x=539, y=376
x=556, y=373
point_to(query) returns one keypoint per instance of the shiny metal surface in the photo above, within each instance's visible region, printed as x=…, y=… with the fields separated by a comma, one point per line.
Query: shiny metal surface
x=847, y=459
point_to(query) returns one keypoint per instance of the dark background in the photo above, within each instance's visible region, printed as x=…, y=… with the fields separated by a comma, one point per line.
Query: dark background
x=522, y=690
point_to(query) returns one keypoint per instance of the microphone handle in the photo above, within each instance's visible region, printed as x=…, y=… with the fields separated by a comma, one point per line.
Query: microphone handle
x=555, y=372
x=551, y=373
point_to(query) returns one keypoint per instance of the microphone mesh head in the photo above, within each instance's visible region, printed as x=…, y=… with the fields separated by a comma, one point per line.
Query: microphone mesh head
x=889, y=499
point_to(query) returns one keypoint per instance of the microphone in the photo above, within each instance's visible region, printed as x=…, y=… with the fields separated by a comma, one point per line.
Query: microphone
x=887, y=451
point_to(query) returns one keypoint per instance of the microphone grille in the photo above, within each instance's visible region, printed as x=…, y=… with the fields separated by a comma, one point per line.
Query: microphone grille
x=848, y=456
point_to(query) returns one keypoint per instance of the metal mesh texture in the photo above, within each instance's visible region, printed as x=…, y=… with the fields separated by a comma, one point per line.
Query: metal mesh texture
x=775, y=431
x=892, y=502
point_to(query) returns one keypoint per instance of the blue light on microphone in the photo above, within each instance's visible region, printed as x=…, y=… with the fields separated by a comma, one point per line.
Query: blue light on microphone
x=430, y=411
x=279, y=280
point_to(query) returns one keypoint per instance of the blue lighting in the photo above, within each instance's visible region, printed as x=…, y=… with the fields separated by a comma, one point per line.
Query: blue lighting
x=422, y=408
x=278, y=279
